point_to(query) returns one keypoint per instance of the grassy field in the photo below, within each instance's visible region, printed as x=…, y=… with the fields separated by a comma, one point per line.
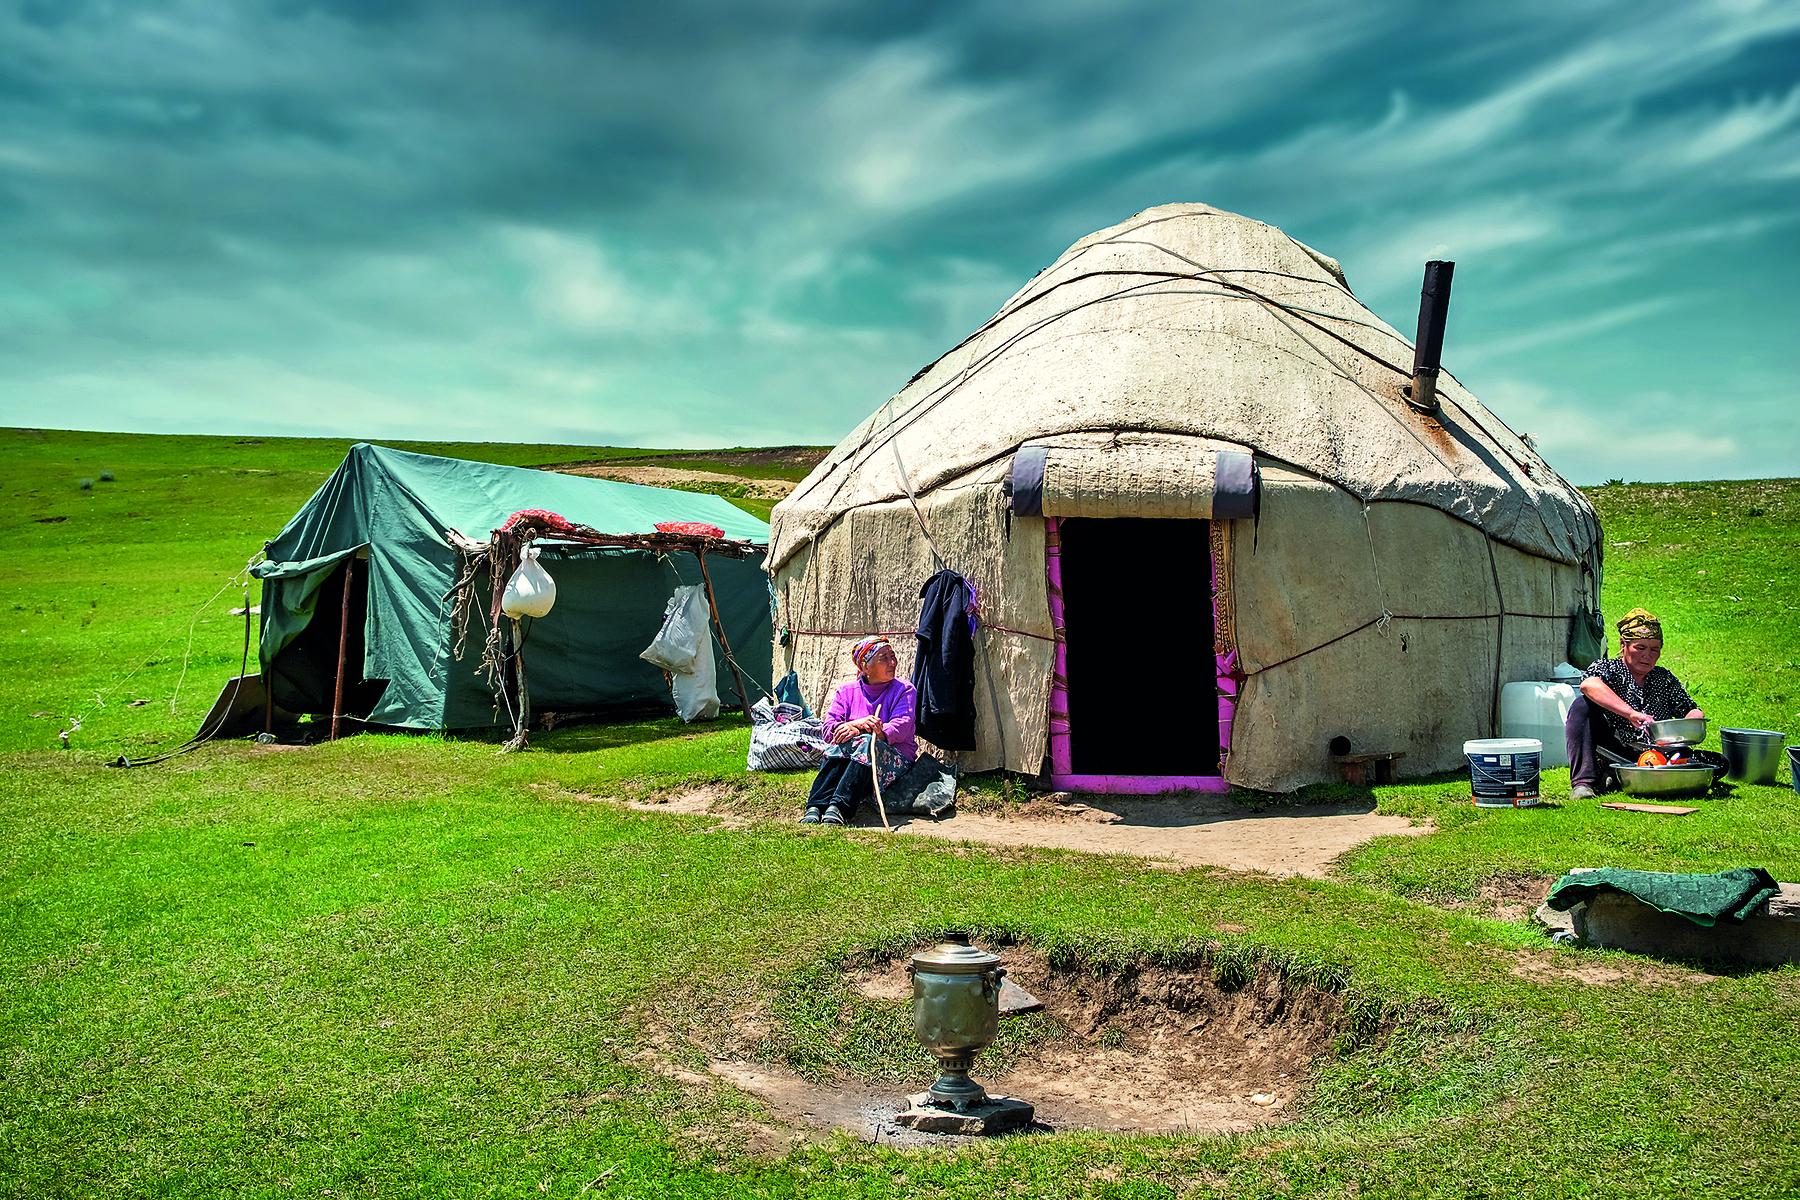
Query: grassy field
x=407, y=965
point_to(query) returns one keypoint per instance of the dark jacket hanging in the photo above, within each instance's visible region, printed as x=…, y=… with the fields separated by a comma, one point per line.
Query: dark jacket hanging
x=944, y=670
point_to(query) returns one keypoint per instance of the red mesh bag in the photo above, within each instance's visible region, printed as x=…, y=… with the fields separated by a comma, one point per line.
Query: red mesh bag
x=538, y=516
x=696, y=528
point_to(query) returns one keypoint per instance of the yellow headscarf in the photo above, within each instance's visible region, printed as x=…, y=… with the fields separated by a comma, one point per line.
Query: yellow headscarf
x=1638, y=625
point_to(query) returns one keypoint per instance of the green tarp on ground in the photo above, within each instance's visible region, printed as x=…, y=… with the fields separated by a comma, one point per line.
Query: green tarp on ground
x=1728, y=896
x=393, y=510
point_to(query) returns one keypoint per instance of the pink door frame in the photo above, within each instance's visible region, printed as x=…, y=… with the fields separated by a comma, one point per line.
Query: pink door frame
x=1061, y=761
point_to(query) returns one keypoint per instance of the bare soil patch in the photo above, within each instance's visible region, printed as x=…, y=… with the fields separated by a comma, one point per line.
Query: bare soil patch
x=1147, y=1050
x=694, y=801
x=1501, y=898
x=1176, y=832
x=1513, y=897
x=1184, y=830
x=1550, y=966
x=794, y=458
x=628, y=471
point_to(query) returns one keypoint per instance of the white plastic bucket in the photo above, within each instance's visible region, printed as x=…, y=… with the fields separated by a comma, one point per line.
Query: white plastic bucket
x=1503, y=772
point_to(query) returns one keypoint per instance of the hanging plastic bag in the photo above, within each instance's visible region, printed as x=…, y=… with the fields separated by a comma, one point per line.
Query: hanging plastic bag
x=530, y=592
x=1587, y=638
x=697, y=692
x=1587, y=628
x=677, y=643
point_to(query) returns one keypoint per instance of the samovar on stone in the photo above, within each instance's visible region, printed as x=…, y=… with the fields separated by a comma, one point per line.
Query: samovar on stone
x=956, y=1014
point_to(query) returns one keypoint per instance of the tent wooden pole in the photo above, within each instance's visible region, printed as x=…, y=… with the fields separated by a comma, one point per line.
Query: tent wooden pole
x=268, y=682
x=713, y=605
x=519, y=735
x=337, y=702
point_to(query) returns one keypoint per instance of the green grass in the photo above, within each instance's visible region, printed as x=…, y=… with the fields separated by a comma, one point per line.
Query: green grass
x=409, y=965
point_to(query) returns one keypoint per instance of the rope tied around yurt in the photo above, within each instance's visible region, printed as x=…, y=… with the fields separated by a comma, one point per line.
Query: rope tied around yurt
x=875, y=431
x=1381, y=622
x=1388, y=616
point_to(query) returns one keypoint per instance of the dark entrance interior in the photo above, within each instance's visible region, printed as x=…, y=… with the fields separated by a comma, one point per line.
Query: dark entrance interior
x=1137, y=607
x=304, y=674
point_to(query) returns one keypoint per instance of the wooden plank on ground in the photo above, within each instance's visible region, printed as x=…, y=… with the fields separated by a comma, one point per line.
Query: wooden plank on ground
x=1667, y=810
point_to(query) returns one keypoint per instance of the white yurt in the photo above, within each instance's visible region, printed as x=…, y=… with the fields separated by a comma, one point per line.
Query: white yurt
x=1207, y=533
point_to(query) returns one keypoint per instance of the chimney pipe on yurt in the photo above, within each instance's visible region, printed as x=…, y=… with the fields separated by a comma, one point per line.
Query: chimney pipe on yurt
x=1207, y=530
x=1428, y=346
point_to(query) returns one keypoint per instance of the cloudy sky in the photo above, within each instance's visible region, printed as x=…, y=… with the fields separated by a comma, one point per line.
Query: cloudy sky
x=669, y=223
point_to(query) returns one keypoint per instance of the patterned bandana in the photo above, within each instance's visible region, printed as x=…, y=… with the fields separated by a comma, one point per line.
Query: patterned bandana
x=866, y=649
x=1639, y=626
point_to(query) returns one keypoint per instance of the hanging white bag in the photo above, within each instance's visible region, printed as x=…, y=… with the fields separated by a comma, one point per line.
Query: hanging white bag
x=697, y=691
x=530, y=592
x=683, y=629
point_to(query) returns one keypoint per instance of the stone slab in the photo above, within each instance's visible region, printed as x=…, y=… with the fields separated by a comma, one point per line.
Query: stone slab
x=999, y=1115
x=1015, y=999
x=1555, y=922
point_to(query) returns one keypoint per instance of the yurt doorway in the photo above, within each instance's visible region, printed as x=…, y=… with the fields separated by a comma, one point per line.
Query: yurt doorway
x=1138, y=669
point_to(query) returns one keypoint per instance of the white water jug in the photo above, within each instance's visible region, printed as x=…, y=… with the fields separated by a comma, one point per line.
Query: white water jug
x=530, y=592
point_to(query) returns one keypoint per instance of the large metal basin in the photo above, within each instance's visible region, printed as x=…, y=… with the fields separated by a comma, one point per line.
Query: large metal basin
x=1680, y=731
x=1665, y=781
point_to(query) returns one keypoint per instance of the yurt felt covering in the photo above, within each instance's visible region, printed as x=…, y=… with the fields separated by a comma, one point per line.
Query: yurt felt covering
x=1397, y=568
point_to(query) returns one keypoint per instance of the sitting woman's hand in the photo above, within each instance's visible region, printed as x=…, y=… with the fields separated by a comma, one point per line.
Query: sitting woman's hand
x=856, y=728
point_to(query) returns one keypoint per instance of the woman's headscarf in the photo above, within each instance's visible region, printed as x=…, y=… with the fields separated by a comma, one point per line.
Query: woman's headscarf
x=866, y=649
x=1639, y=625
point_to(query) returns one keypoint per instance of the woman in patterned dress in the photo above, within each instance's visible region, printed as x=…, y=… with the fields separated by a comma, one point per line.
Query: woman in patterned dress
x=875, y=702
x=1619, y=698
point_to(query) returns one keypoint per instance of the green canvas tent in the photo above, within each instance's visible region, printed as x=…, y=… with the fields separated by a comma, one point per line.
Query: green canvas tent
x=399, y=515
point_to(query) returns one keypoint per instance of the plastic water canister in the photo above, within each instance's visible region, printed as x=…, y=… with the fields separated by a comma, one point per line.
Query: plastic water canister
x=1503, y=772
x=1538, y=709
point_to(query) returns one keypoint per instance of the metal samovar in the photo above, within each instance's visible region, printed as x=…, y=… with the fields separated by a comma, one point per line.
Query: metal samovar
x=956, y=1013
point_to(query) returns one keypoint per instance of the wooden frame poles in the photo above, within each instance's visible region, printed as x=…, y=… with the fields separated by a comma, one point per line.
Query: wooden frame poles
x=713, y=605
x=337, y=701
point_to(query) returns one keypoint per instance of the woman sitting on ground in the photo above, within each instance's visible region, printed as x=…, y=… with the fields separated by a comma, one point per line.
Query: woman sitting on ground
x=877, y=703
x=1628, y=692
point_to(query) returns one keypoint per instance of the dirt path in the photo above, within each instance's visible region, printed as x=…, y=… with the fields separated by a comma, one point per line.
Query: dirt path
x=636, y=472
x=1186, y=831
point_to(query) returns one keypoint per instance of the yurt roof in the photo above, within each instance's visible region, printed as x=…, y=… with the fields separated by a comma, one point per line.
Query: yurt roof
x=1189, y=320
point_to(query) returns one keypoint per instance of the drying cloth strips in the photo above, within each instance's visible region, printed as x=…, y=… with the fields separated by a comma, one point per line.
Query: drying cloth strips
x=1703, y=899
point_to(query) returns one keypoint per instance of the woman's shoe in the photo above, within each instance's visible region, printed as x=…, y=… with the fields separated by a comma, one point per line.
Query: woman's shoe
x=812, y=816
x=833, y=816
x=1581, y=791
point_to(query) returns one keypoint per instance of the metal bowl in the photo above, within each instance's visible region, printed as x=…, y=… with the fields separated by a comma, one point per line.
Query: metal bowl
x=1680, y=731
x=1665, y=781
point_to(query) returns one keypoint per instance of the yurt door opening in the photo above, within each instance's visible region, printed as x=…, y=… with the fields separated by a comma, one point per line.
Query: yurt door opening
x=1133, y=706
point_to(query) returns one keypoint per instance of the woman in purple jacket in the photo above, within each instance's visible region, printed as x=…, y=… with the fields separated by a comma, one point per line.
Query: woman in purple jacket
x=877, y=703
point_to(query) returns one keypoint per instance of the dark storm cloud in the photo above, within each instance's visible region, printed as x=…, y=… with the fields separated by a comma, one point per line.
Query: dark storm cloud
x=677, y=222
